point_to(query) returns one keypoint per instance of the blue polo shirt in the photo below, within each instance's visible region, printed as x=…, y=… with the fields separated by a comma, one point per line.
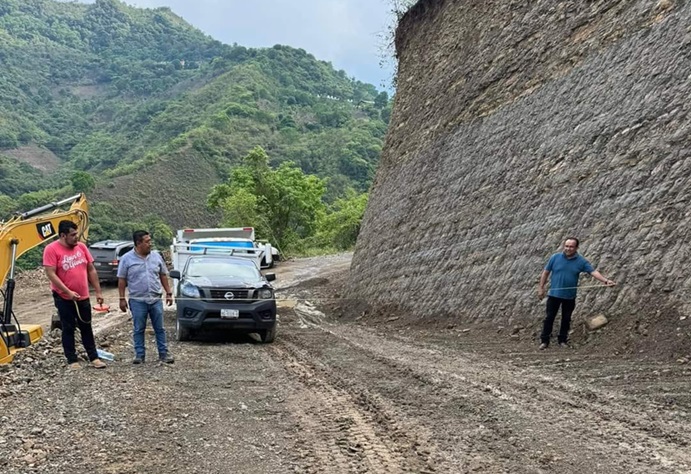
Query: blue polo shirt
x=565, y=273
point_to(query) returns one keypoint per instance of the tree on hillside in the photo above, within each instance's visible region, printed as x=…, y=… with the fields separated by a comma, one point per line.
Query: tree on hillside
x=284, y=204
x=340, y=226
x=82, y=182
x=381, y=100
x=7, y=205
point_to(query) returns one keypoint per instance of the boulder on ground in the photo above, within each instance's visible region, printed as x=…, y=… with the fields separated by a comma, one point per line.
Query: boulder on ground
x=597, y=322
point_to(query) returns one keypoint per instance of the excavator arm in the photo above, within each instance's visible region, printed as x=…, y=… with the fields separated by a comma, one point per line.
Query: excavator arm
x=18, y=235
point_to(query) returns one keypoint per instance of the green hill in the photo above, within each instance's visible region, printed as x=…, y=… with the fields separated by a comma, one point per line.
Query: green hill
x=158, y=113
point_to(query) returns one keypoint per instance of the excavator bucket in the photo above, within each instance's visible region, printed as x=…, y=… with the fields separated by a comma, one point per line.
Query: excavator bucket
x=11, y=341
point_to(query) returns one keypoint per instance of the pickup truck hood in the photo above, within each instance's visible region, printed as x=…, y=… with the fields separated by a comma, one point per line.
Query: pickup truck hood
x=223, y=282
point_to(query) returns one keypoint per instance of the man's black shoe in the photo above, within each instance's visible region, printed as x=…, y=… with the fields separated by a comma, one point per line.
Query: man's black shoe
x=167, y=359
x=138, y=360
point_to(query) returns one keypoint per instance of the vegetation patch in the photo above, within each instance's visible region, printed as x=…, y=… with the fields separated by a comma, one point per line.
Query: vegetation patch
x=147, y=114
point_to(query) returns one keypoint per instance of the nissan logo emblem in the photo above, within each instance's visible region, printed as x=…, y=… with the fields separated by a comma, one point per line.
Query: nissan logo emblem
x=229, y=296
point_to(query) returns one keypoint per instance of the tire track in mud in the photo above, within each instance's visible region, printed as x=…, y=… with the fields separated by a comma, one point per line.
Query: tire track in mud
x=468, y=455
x=342, y=428
x=644, y=416
x=595, y=418
x=663, y=386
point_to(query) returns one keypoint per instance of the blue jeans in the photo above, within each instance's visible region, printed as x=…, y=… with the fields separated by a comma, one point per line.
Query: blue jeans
x=140, y=310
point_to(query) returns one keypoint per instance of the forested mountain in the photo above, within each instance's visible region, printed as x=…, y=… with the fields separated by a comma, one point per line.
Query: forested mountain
x=148, y=114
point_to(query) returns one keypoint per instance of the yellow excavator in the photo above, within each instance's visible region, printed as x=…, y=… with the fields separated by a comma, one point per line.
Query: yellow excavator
x=18, y=235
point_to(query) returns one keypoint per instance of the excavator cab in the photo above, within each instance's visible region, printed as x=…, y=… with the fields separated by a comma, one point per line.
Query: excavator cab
x=18, y=235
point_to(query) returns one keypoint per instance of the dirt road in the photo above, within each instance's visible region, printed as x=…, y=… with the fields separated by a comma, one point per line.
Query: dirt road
x=329, y=396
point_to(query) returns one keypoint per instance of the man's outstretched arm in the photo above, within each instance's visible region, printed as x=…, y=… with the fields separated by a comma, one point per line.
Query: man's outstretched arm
x=598, y=276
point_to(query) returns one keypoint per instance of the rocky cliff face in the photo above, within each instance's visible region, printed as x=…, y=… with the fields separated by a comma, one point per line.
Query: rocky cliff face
x=517, y=124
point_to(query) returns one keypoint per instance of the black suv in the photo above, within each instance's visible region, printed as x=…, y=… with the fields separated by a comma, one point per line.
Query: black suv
x=107, y=254
x=224, y=292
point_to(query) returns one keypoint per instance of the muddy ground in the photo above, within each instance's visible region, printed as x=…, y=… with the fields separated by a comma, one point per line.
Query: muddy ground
x=370, y=395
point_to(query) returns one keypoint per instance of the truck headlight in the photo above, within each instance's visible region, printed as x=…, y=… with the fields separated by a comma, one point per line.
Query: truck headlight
x=265, y=294
x=189, y=290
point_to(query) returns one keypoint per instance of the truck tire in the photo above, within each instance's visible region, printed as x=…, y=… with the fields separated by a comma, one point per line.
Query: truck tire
x=268, y=335
x=181, y=332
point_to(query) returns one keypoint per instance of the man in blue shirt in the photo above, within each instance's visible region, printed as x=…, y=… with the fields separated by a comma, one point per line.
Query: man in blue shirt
x=145, y=275
x=565, y=268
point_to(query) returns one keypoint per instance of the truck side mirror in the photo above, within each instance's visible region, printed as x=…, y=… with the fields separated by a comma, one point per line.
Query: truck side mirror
x=270, y=276
x=175, y=274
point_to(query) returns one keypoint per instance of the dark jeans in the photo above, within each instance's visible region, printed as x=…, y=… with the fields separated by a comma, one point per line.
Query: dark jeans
x=567, y=307
x=70, y=319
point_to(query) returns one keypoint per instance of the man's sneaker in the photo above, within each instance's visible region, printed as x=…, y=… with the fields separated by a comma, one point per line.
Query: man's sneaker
x=167, y=359
x=543, y=346
x=98, y=364
x=564, y=345
x=138, y=360
x=74, y=366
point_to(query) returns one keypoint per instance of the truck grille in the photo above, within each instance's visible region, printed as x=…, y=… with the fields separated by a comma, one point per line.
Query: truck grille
x=239, y=296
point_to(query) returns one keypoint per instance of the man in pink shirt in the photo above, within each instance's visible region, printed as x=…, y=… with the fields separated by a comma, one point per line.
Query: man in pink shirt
x=70, y=269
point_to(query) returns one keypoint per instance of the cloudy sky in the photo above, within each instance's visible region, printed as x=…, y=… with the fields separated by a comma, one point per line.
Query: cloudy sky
x=347, y=33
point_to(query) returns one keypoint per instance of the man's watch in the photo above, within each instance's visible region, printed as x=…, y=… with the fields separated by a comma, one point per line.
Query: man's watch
x=169, y=294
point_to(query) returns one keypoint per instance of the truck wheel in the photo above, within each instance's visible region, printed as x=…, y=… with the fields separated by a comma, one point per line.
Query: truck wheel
x=268, y=335
x=181, y=332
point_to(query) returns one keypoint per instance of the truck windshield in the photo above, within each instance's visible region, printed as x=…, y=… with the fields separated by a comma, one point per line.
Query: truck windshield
x=222, y=268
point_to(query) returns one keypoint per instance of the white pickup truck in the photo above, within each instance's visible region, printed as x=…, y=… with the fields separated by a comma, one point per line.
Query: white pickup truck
x=237, y=241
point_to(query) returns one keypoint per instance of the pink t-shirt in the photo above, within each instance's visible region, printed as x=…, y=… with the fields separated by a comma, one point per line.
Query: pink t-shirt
x=70, y=266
